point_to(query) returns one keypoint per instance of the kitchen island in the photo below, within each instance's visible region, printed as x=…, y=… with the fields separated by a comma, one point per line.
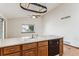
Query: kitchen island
x=40, y=46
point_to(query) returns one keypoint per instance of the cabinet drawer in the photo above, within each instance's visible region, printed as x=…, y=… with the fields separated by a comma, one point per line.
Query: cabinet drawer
x=31, y=52
x=14, y=54
x=29, y=46
x=11, y=49
x=42, y=43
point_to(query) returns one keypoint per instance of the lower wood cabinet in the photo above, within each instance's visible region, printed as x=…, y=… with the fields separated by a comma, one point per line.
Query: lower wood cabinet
x=43, y=51
x=31, y=49
x=11, y=49
x=29, y=46
x=32, y=52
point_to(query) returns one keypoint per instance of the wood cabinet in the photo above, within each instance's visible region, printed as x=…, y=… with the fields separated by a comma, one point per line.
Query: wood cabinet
x=43, y=48
x=29, y=46
x=31, y=49
x=31, y=52
x=43, y=51
x=42, y=43
x=11, y=49
x=34, y=49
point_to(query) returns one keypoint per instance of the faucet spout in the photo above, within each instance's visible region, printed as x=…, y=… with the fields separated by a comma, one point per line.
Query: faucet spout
x=34, y=35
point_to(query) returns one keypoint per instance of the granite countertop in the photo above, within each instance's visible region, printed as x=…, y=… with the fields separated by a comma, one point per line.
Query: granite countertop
x=16, y=41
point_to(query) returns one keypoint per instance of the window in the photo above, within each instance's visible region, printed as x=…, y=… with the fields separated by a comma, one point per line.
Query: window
x=27, y=28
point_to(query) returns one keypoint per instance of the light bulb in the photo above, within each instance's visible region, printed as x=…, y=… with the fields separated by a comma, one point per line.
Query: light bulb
x=33, y=16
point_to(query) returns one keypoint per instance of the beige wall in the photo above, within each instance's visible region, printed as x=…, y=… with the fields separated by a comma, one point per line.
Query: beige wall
x=69, y=28
x=14, y=26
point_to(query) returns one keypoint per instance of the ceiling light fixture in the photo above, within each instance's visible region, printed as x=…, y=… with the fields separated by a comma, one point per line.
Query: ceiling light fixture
x=32, y=7
x=33, y=17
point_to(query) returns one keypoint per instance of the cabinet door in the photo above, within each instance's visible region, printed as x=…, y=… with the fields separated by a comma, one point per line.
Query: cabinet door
x=42, y=43
x=32, y=52
x=43, y=51
x=29, y=46
x=14, y=54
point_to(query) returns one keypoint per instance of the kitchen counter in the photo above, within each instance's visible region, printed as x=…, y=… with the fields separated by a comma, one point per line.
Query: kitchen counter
x=73, y=44
x=16, y=41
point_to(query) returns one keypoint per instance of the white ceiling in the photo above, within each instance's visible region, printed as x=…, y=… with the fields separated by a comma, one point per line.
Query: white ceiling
x=12, y=10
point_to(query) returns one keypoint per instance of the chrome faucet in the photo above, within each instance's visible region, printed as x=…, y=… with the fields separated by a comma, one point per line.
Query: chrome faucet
x=34, y=35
